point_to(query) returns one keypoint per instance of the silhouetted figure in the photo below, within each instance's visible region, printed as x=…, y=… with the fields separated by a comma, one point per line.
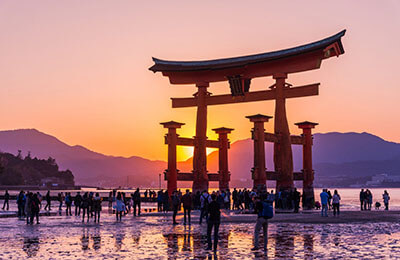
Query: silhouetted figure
x=28, y=207
x=35, y=208
x=214, y=220
x=97, y=207
x=48, y=201
x=386, y=199
x=21, y=199
x=68, y=204
x=136, y=202
x=175, y=205
x=77, y=203
x=6, y=200
x=85, y=207
x=187, y=205
x=165, y=201
x=329, y=199
x=296, y=200
x=60, y=199
x=336, y=203
x=204, y=203
x=362, y=199
x=160, y=199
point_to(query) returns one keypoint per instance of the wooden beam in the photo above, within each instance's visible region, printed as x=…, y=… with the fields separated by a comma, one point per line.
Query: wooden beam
x=188, y=176
x=184, y=141
x=272, y=138
x=274, y=176
x=293, y=92
x=297, y=139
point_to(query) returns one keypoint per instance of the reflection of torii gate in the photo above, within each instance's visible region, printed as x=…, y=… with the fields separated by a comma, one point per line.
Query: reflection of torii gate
x=238, y=72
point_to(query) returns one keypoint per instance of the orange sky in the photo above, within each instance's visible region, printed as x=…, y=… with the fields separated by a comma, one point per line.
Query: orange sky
x=78, y=70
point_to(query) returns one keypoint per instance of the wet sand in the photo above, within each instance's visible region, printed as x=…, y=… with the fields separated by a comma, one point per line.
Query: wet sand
x=369, y=235
x=310, y=217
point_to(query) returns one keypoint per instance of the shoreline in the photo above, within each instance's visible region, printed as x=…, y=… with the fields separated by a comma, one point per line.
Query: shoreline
x=313, y=217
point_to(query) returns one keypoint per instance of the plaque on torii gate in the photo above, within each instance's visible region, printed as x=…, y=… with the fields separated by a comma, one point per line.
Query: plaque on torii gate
x=238, y=72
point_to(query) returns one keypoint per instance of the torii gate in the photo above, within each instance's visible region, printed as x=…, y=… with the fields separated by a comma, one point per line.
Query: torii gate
x=238, y=72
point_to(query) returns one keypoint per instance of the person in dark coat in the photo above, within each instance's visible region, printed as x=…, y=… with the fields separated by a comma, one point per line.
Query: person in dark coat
x=48, y=201
x=35, y=208
x=77, y=203
x=214, y=220
x=175, y=205
x=187, y=205
x=136, y=202
x=6, y=200
x=97, y=207
x=85, y=206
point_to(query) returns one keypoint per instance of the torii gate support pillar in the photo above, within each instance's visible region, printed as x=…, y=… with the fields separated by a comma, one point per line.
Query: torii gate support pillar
x=172, y=172
x=259, y=175
x=223, y=171
x=308, y=172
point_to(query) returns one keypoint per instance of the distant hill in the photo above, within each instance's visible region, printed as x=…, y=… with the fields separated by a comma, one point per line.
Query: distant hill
x=88, y=167
x=341, y=158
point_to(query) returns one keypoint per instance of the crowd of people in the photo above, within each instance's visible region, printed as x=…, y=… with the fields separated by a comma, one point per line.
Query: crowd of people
x=366, y=200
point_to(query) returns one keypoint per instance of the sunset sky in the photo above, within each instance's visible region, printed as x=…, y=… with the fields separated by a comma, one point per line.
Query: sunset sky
x=78, y=70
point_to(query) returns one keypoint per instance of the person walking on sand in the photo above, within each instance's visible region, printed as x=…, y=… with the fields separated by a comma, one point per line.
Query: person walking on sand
x=68, y=203
x=362, y=199
x=77, y=203
x=264, y=212
x=6, y=200
x=204, y=203
x=97, y=207
x=136, y=202
x=175, y=206
x=119, y=206
x=324, y=202
x=187, y=206
x=214, y=220
x=28, y=207
x=336, y=203
x=35, y=208
x=386, y=199
x=85, y=207
x=48, y=201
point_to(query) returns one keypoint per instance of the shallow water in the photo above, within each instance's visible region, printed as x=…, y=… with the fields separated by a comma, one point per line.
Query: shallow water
x=155, y=238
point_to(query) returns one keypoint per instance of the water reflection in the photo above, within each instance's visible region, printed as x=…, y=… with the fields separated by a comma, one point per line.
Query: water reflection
x=119, y=238
x=85, y=239
x=31, y=245
x=96, y=237
x=194, y=241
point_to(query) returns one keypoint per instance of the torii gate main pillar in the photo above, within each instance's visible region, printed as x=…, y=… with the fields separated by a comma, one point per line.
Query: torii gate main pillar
x=308, y=172
x=200, y=177
x=283, y=158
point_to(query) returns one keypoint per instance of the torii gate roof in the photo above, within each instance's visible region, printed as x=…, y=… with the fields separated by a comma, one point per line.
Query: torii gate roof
x=297, y=59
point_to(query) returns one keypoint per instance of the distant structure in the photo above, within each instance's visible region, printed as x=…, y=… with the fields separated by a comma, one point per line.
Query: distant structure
x=238, y=72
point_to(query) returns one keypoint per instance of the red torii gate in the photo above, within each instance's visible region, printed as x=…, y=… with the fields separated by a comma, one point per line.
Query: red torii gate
x=238, y=72
x=172, y=174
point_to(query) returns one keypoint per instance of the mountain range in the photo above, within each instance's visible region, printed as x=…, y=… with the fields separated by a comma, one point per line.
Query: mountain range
x=340, y=159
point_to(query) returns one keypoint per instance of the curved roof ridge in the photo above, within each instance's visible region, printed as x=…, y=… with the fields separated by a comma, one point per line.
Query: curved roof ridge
x=166, y=65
